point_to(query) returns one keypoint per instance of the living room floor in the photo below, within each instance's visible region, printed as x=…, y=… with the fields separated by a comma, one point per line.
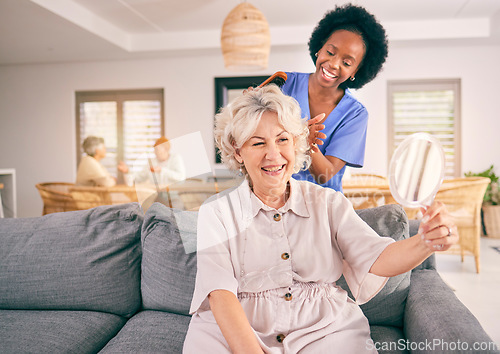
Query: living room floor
x=479, y=292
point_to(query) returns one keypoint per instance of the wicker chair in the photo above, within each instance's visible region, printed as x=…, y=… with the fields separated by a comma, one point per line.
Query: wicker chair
x=366, y=190
x=194, y=198
x=357, y=180
x=86, y=197
x=192, y=194
x=56, y=197
x=463, y=197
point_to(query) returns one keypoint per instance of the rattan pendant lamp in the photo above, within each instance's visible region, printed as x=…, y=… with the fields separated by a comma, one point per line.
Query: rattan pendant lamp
x=245, y=39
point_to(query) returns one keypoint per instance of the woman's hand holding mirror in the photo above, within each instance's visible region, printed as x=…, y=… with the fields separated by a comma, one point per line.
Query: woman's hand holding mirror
x=437, y=229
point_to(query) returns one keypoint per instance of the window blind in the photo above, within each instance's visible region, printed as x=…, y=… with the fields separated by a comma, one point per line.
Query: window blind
x=141, y=128
x=129, y=121
x=429, y=109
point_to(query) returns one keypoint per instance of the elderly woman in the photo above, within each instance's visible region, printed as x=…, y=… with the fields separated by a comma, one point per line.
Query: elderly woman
x=271, y=250
x=90, y=171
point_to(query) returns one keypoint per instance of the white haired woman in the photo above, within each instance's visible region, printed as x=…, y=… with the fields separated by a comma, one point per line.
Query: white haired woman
x=90, y=171
x=271, y=250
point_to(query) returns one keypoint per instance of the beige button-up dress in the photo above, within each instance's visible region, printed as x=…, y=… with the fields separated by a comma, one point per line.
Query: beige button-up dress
x=282, y=265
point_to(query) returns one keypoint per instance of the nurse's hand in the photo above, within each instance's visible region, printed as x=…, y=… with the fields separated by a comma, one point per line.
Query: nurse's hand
x=315, y=134
x=249, y=89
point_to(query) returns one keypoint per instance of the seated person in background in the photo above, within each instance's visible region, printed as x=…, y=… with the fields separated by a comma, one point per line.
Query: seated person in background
x=163, y=170
x=90, y=171
x=270, y=251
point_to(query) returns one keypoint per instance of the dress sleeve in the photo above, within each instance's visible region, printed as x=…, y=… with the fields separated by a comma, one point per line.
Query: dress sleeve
x=360, y=247
x=349, y=139
x=215, y=270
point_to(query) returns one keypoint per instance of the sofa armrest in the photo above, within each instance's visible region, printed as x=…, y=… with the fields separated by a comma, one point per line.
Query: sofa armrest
x=436, y=321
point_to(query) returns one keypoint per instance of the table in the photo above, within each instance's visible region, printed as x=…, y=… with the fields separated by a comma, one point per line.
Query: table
x=1, y=206
x=185, y=195
x=8, y=202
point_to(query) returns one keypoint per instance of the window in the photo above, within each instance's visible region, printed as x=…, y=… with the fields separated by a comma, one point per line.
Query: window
x=129, y=122
x=431, y=106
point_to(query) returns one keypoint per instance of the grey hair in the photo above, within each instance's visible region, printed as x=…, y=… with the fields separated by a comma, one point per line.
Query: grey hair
x=237, y=122
x=91, y=143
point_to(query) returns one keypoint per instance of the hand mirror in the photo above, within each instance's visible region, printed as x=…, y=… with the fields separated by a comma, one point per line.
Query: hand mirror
x=416, y=170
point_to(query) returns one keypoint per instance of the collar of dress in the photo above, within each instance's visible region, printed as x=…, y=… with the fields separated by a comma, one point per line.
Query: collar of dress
x=252, y=204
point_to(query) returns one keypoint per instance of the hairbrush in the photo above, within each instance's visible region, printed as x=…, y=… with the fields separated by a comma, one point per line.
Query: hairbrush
x=278, y=78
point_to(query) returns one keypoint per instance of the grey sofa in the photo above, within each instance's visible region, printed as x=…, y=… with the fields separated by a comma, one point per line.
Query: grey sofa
x=113, y=280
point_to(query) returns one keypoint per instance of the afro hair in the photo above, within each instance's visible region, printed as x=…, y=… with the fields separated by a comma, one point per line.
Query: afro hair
x=355, y=19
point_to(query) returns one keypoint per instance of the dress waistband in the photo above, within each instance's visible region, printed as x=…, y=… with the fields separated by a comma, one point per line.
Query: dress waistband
x=298, y=289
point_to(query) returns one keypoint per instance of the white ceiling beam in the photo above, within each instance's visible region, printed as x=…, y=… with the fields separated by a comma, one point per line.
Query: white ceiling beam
x=280, y=36
x=299, y=35
x=82, y=17
x=175, y=41
x=438, y=29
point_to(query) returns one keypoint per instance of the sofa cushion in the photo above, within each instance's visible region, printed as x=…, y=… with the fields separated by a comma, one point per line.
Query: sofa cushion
x=169, y=259
x=434, y=311
x=150, y=332
x=81, y=260
x=388, y=340
x=56, y=331
x=387, y=307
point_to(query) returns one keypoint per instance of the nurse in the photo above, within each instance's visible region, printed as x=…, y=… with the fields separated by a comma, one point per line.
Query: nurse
x=348, y=48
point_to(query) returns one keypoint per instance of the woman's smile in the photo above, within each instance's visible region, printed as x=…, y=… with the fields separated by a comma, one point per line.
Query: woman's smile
x=273, y=170
x=328, y=75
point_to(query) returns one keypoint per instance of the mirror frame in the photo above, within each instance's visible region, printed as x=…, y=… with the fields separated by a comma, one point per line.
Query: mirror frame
x=394, y=162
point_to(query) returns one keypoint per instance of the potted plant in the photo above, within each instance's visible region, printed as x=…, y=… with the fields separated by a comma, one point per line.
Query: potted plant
x=491, y=203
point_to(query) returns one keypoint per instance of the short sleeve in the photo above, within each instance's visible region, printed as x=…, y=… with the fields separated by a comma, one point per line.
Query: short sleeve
x=360, y=247
x=349, y=138
x=215, y=270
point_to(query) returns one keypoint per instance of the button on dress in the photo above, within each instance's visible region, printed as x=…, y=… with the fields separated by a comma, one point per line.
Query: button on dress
x=282, y=265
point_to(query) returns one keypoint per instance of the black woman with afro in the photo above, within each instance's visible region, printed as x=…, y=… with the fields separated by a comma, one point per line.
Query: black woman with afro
x=348, y=47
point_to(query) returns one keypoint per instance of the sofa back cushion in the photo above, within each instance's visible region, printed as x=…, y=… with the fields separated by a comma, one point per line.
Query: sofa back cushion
x=387, y=307
x=169, y=259
x=79, y=260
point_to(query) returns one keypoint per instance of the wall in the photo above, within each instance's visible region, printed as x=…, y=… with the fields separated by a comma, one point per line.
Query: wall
x=37, y=113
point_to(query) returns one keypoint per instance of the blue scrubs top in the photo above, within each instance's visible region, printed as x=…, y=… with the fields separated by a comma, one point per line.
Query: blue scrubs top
x=345, y=128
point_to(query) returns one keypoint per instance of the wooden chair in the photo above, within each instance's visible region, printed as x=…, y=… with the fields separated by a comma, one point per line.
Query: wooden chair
x=86, y=197
x=464, y=197
x=56, y=197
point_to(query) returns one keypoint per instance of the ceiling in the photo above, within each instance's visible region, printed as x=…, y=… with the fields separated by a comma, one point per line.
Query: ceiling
x=47, y=31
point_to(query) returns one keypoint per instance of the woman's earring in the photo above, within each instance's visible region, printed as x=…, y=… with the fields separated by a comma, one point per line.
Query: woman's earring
x=241, y=170
x=316, y=55
x=353, y=78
